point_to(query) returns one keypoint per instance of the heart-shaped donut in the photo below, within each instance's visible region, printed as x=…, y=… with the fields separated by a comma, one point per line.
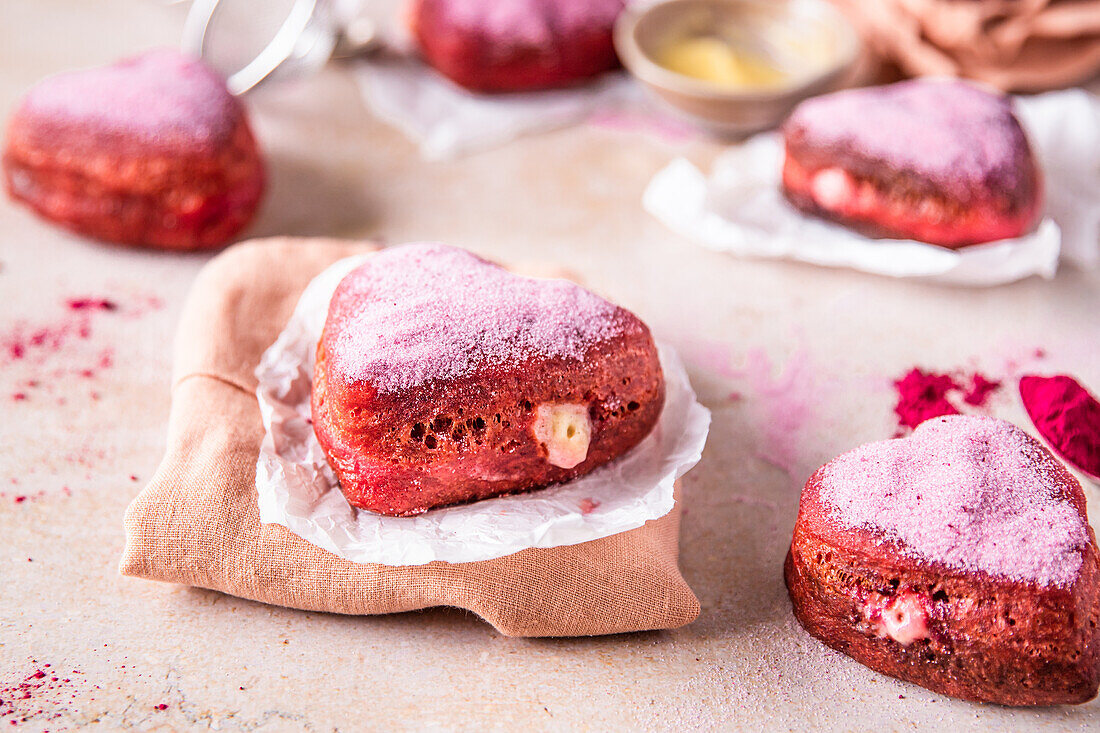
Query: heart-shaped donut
x=959, y=558
x=151, y=151
x=443, y=378
x=936, y=160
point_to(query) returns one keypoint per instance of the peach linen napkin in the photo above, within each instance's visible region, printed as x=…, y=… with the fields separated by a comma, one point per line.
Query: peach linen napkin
x=197, y=522
x=1014, y=45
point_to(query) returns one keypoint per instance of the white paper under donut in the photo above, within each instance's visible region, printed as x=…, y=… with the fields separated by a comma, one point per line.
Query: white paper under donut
x=297, y=489
x=739, y=208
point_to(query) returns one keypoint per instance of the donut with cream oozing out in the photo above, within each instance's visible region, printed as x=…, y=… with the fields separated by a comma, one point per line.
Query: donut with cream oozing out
x=516, y=45
x=938, y=161
x=959, y=558
x=442, y=378
x=150, y=151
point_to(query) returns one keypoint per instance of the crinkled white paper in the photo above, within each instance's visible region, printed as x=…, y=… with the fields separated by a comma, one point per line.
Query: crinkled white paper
x=1065, y=129
x=740, y=209
x=298, y=490
x=446, y=120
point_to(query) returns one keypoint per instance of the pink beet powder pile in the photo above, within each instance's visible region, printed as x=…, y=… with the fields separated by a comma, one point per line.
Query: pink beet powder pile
x=923, y=395
x=973, y=493
x=426, y=312
x=1067, y=416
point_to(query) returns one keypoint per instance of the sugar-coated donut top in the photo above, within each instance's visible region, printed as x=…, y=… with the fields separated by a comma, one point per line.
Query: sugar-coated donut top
x=973, y=493
x=529, y=22
x=949, y=131
x=160, y=98
x=418, y=313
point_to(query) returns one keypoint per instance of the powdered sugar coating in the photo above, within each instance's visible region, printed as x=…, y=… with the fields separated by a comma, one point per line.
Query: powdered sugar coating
x=530, y=22
x=160, y=98
x=973, y=493
x=423, y=312
x=948, y=131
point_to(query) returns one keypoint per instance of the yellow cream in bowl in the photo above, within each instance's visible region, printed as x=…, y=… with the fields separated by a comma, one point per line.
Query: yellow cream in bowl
x=715, y=60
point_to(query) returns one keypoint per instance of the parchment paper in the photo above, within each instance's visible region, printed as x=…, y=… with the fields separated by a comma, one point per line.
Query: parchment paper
x=298, y=490
x=740, y=209
x=446, y=121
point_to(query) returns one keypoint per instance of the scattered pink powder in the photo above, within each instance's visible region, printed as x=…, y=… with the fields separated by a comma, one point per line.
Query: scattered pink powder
x=587, y=506
x=415, y=314
x=40, y=696
x=161, y=98
x=52, y=350
x=52, y=699
x=962, y=137
x=530, y=22
x=973, y=493
x=35, y=343
x=80, y=304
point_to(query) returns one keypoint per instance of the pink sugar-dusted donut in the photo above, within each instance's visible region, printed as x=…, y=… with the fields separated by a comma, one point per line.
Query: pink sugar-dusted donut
x=442, y=378
x=150, y=151
x=939, y=161
x=959, y=559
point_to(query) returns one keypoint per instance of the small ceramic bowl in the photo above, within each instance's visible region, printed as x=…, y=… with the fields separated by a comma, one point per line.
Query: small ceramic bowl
x=644, y=29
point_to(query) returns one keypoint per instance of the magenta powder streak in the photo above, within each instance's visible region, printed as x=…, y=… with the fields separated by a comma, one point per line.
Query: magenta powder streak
x=782, y=405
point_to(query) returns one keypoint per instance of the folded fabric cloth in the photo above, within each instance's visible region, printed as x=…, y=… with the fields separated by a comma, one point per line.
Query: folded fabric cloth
x=198, y=522
x=1014, y=45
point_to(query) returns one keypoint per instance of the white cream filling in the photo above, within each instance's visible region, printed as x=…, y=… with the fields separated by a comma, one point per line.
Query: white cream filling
x=832, y=188
x=565, y=430
x=903, y=619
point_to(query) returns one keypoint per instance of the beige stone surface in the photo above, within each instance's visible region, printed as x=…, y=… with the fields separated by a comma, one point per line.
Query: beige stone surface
x=810, y=352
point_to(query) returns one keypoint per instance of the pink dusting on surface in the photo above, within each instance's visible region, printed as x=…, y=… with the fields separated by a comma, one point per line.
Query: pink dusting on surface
x=531, y=22
x=951, y=132
x=781, y=404
x=662, y=126
x=422, y=313
x=785, y=404
x=161, y=98
x=973, y=493
x=587, y=506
